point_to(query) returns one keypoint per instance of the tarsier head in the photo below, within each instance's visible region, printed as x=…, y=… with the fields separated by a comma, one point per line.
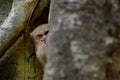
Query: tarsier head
x=39, y=34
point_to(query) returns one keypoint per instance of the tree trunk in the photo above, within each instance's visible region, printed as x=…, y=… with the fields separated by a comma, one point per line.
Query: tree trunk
x=84, y=41
x=18, y=66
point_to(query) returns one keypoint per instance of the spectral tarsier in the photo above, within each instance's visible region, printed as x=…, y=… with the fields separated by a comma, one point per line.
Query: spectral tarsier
x=39, y=35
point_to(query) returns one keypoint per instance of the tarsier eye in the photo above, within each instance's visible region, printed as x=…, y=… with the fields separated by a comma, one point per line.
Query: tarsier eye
x=46, y=32
x=39, y=36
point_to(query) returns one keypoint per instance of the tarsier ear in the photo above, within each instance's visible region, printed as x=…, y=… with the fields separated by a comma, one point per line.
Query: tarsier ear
x=31, y=35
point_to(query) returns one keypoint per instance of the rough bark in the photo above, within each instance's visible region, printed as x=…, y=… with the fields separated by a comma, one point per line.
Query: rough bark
x=18, y=67
x=84, y=40
x=5, y=7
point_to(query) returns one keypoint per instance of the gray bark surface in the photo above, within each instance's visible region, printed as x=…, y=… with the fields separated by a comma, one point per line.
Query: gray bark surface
x=84, y=40
x=5, y=6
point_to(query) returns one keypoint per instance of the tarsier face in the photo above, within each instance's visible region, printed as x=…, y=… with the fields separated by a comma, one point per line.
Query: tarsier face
x=39, y=34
